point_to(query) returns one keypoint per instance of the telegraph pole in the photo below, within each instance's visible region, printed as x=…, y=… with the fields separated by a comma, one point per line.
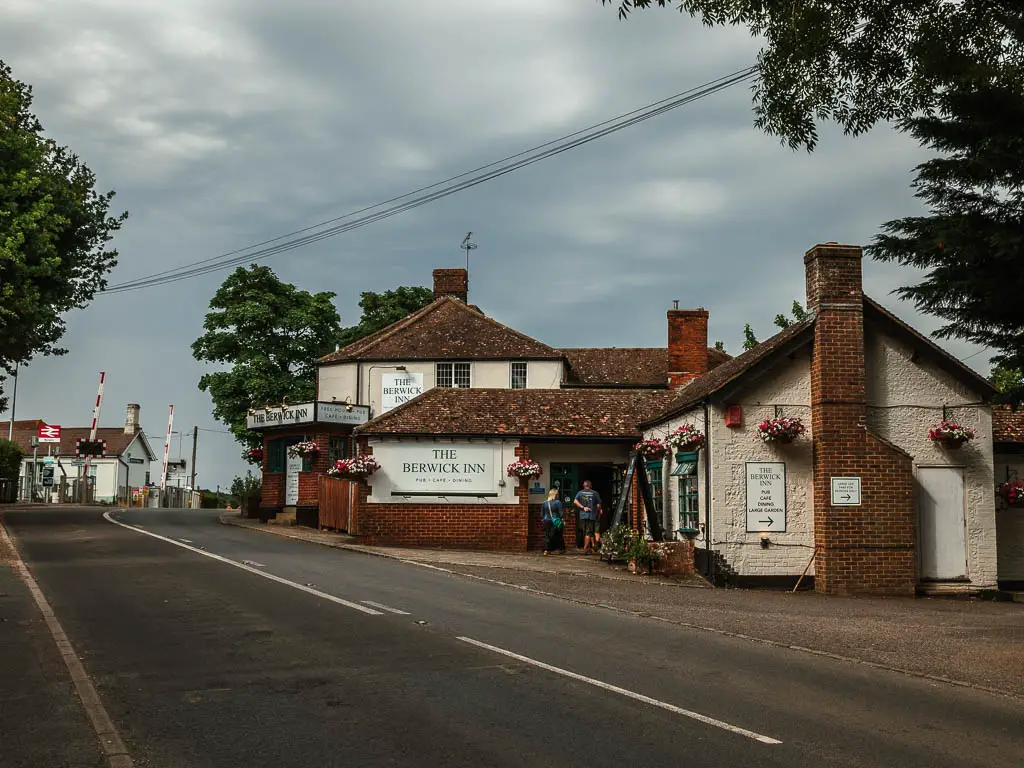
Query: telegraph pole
x=195, y=440
x=467, y=247
x=14, y=401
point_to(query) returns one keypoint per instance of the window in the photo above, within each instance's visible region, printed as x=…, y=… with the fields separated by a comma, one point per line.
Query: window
x=275, y=455
x=452, y=375
x=689, y=506
x=518, y=376
x=654, y=477
x=337, y=449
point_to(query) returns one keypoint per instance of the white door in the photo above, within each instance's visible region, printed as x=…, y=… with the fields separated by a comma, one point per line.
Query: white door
x=943, y=544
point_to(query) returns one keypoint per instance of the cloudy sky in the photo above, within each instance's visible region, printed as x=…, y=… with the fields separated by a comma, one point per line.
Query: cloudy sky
x=222, y=123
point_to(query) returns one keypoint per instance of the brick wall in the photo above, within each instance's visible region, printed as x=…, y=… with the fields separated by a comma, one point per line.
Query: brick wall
x=868, y=549
x=451, y=282
x=273, y=484
x=457, y=526
x=687, y=345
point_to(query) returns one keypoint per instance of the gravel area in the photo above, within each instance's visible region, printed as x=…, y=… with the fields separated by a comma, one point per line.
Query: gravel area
x=977, y=642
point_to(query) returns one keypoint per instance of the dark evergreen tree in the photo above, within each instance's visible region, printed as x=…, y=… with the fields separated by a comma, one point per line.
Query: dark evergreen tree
x=970, y=243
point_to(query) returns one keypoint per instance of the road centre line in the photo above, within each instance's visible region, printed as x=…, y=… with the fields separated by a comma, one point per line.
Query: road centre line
x=111, y=744
x=624, y=692
x=302, y=588
x=383, y=607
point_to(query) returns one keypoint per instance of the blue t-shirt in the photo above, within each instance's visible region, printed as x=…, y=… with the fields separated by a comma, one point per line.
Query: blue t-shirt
x=591, y=500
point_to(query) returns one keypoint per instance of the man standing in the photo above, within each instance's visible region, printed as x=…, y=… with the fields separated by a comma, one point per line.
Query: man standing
x=588, y=501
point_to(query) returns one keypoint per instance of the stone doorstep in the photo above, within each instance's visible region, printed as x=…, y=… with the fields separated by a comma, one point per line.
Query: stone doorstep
x=576, y=564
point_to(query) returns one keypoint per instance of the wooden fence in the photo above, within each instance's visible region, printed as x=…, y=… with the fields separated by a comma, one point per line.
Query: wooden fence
x=339, y=504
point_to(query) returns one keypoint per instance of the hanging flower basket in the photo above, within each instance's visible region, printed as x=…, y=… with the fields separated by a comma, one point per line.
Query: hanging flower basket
x=524, y=468
x=1012, y=493
x=686, y=439
x=304, y=449
x=651, y=448
x=950, y=434
x=255, y=455
x=782, y=430
x=356, y=468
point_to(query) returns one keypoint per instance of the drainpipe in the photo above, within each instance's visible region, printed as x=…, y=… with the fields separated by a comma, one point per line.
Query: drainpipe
x=707, y=493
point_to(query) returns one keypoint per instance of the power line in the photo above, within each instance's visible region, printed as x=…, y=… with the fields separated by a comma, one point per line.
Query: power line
x=492, y=170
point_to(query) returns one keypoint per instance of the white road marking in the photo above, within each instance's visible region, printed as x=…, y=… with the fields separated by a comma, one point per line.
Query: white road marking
x=253, y=563
x=110, y=740
x=624, y=692
x=383, y=607
x=187, y=541
x=264, y=574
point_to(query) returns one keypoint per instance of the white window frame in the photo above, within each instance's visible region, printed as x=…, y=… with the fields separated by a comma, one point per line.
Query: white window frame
x=511, y=374
x=451, y=368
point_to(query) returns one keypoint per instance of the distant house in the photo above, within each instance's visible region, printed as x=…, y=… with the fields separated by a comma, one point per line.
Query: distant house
x=125, y=466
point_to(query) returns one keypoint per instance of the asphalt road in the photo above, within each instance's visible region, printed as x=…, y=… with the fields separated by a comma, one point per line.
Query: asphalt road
x=343, y=659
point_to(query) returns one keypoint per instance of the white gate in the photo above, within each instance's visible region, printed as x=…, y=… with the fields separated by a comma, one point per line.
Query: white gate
x=942, y=537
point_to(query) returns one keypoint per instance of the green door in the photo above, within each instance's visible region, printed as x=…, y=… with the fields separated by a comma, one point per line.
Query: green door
x=565, y=477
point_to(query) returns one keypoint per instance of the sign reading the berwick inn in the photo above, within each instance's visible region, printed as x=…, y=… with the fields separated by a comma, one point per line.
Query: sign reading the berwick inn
x=766, y=496
x=439, y=470
x=398, y=388
x=307, y=413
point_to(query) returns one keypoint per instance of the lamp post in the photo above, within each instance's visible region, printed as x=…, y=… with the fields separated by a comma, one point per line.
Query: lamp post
x=369, y=377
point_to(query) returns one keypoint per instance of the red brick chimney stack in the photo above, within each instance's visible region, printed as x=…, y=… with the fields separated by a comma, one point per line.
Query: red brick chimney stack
x=869, y=548
x=687, y=345
x=451, y=282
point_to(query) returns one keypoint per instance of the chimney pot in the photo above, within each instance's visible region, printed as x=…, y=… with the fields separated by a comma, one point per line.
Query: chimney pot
x=675, y=303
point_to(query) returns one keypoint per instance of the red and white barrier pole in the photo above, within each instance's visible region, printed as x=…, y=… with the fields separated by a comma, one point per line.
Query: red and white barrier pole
x=92, y=430
x=167, y=449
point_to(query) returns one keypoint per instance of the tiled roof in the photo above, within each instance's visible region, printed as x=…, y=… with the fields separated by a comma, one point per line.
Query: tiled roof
x=684, y=398
x=445, y=328
x=117, y=440
x=1007, y=424
x=624, y=366
x=572, y=413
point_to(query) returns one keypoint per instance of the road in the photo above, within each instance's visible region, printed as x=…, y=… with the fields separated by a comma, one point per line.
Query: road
x=310, y=656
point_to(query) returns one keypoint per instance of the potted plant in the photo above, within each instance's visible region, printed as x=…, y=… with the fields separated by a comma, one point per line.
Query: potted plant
x=305, y=449
x=1012, y=492
x=524, y=468
x=686, y=439
x=254, y=455
x=356, y=468
x=950, y=434
x=784, y=429
x=641, y=555
x=651, y=448
x=616, y=543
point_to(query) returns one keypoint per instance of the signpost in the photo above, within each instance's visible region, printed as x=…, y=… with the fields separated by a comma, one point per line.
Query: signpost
x=293, y=466
x=766, y=496
x=48, y=433
x=845, y=491
x=399, y=388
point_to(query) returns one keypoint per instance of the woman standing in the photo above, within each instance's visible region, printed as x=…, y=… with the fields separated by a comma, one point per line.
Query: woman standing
x=554, y=523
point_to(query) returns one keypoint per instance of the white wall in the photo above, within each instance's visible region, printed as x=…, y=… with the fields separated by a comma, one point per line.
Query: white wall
x=788, y=387
x=391, y=453
x=136, y=477
x=1010, y=521
x=339, y=381
x=905, y=398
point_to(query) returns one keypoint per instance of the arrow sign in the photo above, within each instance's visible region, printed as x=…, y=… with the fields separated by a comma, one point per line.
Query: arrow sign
x=846, y=492
x=769, y=521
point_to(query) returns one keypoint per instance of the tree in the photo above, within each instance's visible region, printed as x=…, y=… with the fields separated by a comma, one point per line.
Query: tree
x=781, y=322
x=271, y=334
x=1007, y=380
x=858, y=62
x=970, y=243
x=54, y=229
x=382, y=309
x=11, y=457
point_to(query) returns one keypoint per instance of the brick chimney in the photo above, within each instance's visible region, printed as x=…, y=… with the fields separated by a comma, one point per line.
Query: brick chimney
x=869, y=548
x=687, y=344
x=131, y=419
x=451, y=282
